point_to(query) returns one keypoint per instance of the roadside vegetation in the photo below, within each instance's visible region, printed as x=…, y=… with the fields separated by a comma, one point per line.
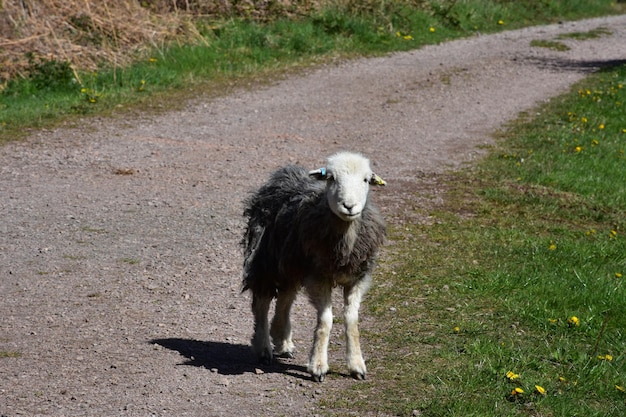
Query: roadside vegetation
x=510, y=301
x=105, y=58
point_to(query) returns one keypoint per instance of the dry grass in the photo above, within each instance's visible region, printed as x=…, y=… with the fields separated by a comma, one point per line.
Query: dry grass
x=89, y=33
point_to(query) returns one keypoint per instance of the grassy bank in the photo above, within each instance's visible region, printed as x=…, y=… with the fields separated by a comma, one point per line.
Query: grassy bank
x=510, y=302
x=235, y=48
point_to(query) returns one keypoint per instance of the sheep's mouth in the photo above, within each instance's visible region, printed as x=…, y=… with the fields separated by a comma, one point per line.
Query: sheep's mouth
x=350, y=216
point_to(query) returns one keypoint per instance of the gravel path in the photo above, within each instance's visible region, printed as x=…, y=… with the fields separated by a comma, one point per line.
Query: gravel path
x=119, y=257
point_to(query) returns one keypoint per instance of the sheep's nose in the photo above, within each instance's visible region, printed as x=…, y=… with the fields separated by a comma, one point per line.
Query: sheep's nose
x=349, y=206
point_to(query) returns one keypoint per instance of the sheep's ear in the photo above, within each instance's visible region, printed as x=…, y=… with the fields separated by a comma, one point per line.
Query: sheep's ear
x=319, y=174
x=376, y=180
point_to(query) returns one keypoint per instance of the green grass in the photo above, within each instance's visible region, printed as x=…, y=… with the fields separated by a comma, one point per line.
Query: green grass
x=557, y=46
x=522, y=270
x=237, y=50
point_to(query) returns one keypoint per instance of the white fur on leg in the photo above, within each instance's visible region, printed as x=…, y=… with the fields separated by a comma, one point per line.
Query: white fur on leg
x=318, y=360
x=352, y=301
x=281, y=325
x=261, y=339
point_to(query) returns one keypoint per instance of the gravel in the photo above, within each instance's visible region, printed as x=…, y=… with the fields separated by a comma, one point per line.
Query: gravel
x=119, y=242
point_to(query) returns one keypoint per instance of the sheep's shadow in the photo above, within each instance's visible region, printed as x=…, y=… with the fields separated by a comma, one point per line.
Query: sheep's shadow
x=227, y=358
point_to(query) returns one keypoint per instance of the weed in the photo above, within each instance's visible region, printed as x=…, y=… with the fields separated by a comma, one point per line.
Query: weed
x=557, y=46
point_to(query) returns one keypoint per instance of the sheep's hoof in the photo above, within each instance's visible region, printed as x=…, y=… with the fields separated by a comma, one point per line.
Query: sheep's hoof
x=285, y=355
x=319, y=378
x=358, y=376
x=266, y=358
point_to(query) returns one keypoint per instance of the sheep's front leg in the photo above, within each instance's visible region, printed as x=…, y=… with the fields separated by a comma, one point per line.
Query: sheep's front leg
x=261, y=339
x=318, y=360
x=352, y=300
x=281, y=325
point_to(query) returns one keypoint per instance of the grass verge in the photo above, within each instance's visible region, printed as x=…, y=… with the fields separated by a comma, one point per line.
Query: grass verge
x=235, y=49
x=510, y=302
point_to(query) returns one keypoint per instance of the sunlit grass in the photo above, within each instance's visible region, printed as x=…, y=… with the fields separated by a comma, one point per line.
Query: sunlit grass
x=509, y=302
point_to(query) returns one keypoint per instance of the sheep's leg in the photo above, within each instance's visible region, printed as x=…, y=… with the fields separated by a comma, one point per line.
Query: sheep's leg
x=318, y=360
x=352, y=300
x=261, y=339
x=281, y=325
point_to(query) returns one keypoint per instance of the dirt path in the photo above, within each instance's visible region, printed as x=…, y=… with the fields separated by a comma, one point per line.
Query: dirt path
x=119, y=258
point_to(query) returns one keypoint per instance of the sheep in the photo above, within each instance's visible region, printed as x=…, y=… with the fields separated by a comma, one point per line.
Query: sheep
x=315, y=229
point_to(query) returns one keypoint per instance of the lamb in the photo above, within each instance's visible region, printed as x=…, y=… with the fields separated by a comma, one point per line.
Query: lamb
x=313, y=230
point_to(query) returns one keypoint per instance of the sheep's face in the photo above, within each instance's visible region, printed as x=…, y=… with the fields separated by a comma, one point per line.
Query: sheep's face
x=348, y=177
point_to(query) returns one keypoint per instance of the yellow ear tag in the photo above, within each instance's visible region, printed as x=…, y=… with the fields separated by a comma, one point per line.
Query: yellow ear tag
x=376, y=180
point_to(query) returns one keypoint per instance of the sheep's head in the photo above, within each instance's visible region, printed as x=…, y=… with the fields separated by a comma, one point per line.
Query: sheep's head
x=348, y=177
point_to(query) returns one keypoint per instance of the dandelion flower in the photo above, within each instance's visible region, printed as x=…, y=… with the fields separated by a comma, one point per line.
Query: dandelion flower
x=620, y=388
x=613, y=234
x=578, y=149
x=431, y=29
x=606, y=357
x=618, y=275
x=512, y=376
x=153, y=60
x=407, y=38
x=584, y=119
x=553, y=321
x=601, y=126
x=517, y=391
x=457, y=329
x=541, y=390
x=595, y=142
x=552, y=246
x=573, y=321
x=500, y=22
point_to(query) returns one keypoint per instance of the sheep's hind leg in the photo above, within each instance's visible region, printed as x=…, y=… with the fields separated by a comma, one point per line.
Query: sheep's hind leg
x=318, y=360
x=352, y=300
x=281, y=325
x=261, y=339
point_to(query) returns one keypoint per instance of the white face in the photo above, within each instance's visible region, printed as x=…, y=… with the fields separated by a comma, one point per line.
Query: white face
x=348, y=179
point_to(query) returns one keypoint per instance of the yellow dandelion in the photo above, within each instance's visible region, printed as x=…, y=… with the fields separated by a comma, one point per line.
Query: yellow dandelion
x=457, y=329
x=562, y=379
x=613, y=234
x=553, y=321
x=552, y=246
x=620, y=388
x=601, y=126
x=573, y=321
x=590, y=232
x=500, y=22
x=606, y=357
x=618, y=275
x=584, y=119
x=512, y=376
x=541, y=390
x=398, y=34
x=517, y=391
x=431, y=29
x=595, y=142
x=407, y=38
x=153, y=60
x=578, y=149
